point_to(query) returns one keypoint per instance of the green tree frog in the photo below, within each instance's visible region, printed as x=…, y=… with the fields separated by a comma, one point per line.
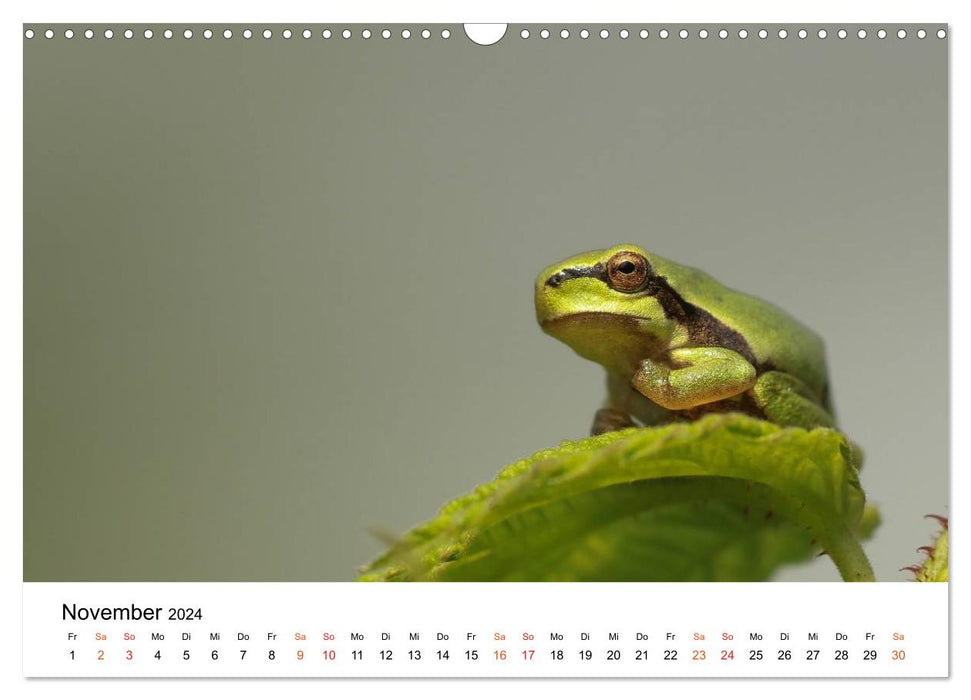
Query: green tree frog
x=677, y=343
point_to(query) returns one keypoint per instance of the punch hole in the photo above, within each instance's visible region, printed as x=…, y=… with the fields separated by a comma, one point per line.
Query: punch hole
x=287, y=33
x=564, y=33
x=882, y=34
x=485, y=34
x=604, y=33
x=743, y=33
x=722, y=33
x=248, y=34
x=821, y=34
x=207, y=34
x=703, y=34
x=29, y=33
x=109, y=34
x=803, y=33
x=49, y=34
x=148, y=34
x=941, y=34
x=366, y=34
x=386, y=34
x=902, y=34
x=524, y=34
x=267, y=34
x=763, y=34
x=861, y=33
x=68, y=33
x=88, y=34
x=644, y=34
x=921, y=34
x=446, y=34
x=663, y=33
x=584, y=33
x=346, y=33
x=129, y=34
x=227, y=34
x=187, y=34
x=841, y=33
x=425, y=34
x=306, y=34
x=624, y=33
x=545, y=34
x=405, y=33
x=167, y=34
x=683, y=34
x=783, y=33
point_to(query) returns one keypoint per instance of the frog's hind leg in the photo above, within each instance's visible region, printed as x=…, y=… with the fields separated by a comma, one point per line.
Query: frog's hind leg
x=786, y=400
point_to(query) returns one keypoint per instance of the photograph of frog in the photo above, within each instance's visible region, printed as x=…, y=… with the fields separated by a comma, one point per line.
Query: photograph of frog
x=732, y=351
x=622, y=309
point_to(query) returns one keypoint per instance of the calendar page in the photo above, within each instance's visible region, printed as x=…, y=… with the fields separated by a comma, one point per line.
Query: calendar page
x=442, y=350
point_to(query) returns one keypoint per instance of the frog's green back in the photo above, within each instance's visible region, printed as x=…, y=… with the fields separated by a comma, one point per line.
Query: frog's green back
x=777, y=340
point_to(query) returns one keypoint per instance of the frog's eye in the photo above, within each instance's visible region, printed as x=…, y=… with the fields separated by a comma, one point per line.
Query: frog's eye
x=627, y=271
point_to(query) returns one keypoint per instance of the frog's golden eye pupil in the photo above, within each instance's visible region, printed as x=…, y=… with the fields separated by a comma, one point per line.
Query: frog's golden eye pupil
x=627, y=271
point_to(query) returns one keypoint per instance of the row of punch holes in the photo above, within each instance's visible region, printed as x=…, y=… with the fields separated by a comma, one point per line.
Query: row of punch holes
x=524, y=33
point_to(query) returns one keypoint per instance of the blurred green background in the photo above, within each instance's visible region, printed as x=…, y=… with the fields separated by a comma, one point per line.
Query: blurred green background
x=279, y=292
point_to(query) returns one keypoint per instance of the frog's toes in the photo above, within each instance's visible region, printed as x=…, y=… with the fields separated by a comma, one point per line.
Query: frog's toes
x=606, y=420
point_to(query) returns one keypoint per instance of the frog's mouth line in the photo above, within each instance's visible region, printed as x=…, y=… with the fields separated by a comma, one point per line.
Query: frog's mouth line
x=593, y=317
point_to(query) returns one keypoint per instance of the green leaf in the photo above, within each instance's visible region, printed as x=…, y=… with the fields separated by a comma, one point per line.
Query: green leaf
x=934, y=568
x=725, y=498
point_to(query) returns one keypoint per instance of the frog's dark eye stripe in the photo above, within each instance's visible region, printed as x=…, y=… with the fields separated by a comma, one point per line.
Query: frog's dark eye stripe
x=571, y=273
x=626, y=271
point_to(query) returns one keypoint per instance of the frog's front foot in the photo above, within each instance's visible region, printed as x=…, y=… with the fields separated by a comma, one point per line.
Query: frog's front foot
x=606, y=420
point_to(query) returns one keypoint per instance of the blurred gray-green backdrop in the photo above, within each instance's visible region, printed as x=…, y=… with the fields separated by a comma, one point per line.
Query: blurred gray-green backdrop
x=279, y=292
